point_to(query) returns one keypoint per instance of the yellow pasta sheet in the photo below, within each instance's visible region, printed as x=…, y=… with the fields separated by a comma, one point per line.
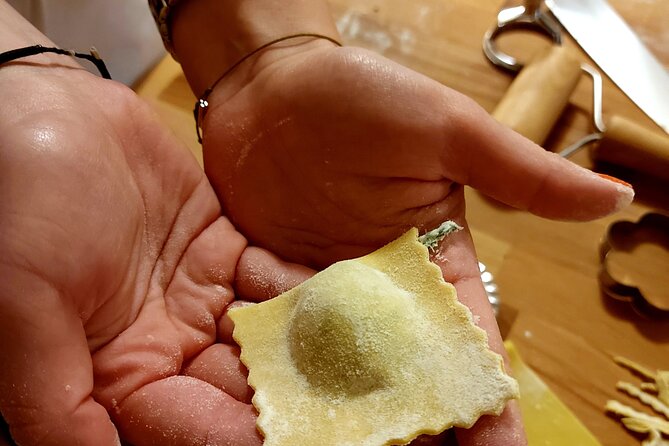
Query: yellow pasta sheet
x=371, y=351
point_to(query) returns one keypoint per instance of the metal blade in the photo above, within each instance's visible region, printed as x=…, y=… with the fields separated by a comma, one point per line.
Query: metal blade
x=617, y=50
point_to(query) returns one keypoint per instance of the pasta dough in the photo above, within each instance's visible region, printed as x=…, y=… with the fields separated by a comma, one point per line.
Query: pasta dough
x=371, y=351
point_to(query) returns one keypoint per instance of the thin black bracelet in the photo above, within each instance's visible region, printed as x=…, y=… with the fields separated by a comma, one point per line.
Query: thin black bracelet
x=201, y=104
x=27, y=51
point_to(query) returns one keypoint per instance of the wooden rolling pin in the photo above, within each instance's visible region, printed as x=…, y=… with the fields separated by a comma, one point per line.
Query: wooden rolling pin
x=628, y=144
x=538, y=96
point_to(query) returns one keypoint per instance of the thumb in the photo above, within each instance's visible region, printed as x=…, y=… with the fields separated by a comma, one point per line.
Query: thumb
x=512, y=169
x=46, y=377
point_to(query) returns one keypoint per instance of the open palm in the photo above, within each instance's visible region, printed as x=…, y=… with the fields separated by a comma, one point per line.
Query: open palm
x=329, y=152
x=117, y=271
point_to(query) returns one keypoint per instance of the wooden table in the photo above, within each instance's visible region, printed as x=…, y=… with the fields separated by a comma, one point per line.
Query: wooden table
x=562, y=325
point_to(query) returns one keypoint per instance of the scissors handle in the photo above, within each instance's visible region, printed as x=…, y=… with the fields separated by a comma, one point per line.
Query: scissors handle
x=530, y=16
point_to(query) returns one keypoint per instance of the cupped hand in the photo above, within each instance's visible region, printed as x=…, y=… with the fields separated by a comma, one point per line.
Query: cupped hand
x=117, y=270
x=323, y=153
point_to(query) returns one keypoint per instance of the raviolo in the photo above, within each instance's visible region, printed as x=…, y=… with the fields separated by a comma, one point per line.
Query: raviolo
x=371, y=351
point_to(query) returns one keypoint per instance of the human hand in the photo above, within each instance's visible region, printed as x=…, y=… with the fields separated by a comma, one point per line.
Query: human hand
x=116, y=269
x=321, y=153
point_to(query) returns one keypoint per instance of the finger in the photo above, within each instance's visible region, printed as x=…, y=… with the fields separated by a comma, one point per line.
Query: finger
x=508, y=167
x=46, y=377
x=505, y=429
x=185, y=411
x=225, y=324
x=219, y=365
x=261, y=275
x=444, y=439
x=457, y=260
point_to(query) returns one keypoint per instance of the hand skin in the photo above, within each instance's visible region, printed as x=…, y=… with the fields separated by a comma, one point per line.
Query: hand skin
x=321, y=153
x=117, y=269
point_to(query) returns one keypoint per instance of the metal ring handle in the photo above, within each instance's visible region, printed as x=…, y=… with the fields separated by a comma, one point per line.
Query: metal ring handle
x=597, y=119
x=518, y=17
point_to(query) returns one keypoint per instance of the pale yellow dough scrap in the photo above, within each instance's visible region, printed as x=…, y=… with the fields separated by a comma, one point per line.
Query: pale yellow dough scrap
x=655, y=439
x=637, y=421
x=634, y=367
x=372, y=351
x=662, y=384
x=646, y=398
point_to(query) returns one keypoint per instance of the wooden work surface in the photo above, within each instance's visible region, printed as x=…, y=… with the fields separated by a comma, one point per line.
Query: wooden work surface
x=547, y=271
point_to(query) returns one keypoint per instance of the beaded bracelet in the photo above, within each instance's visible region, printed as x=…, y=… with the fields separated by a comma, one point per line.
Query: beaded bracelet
x=161, y=11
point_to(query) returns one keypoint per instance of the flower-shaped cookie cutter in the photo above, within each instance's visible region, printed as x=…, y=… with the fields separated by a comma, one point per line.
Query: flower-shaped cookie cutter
x=625, y=236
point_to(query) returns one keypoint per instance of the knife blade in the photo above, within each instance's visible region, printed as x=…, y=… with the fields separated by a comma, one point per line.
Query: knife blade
x=619, y=52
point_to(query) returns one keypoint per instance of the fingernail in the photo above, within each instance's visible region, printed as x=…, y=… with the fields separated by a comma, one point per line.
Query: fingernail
x=625, y=190
x=615, y=180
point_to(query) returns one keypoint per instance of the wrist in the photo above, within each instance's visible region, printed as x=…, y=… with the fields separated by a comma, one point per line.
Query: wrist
x=236, y=78
x=210, y=36
x=15, y=33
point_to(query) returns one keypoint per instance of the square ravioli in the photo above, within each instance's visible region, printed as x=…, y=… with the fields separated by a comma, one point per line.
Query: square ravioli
x=371, y=351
